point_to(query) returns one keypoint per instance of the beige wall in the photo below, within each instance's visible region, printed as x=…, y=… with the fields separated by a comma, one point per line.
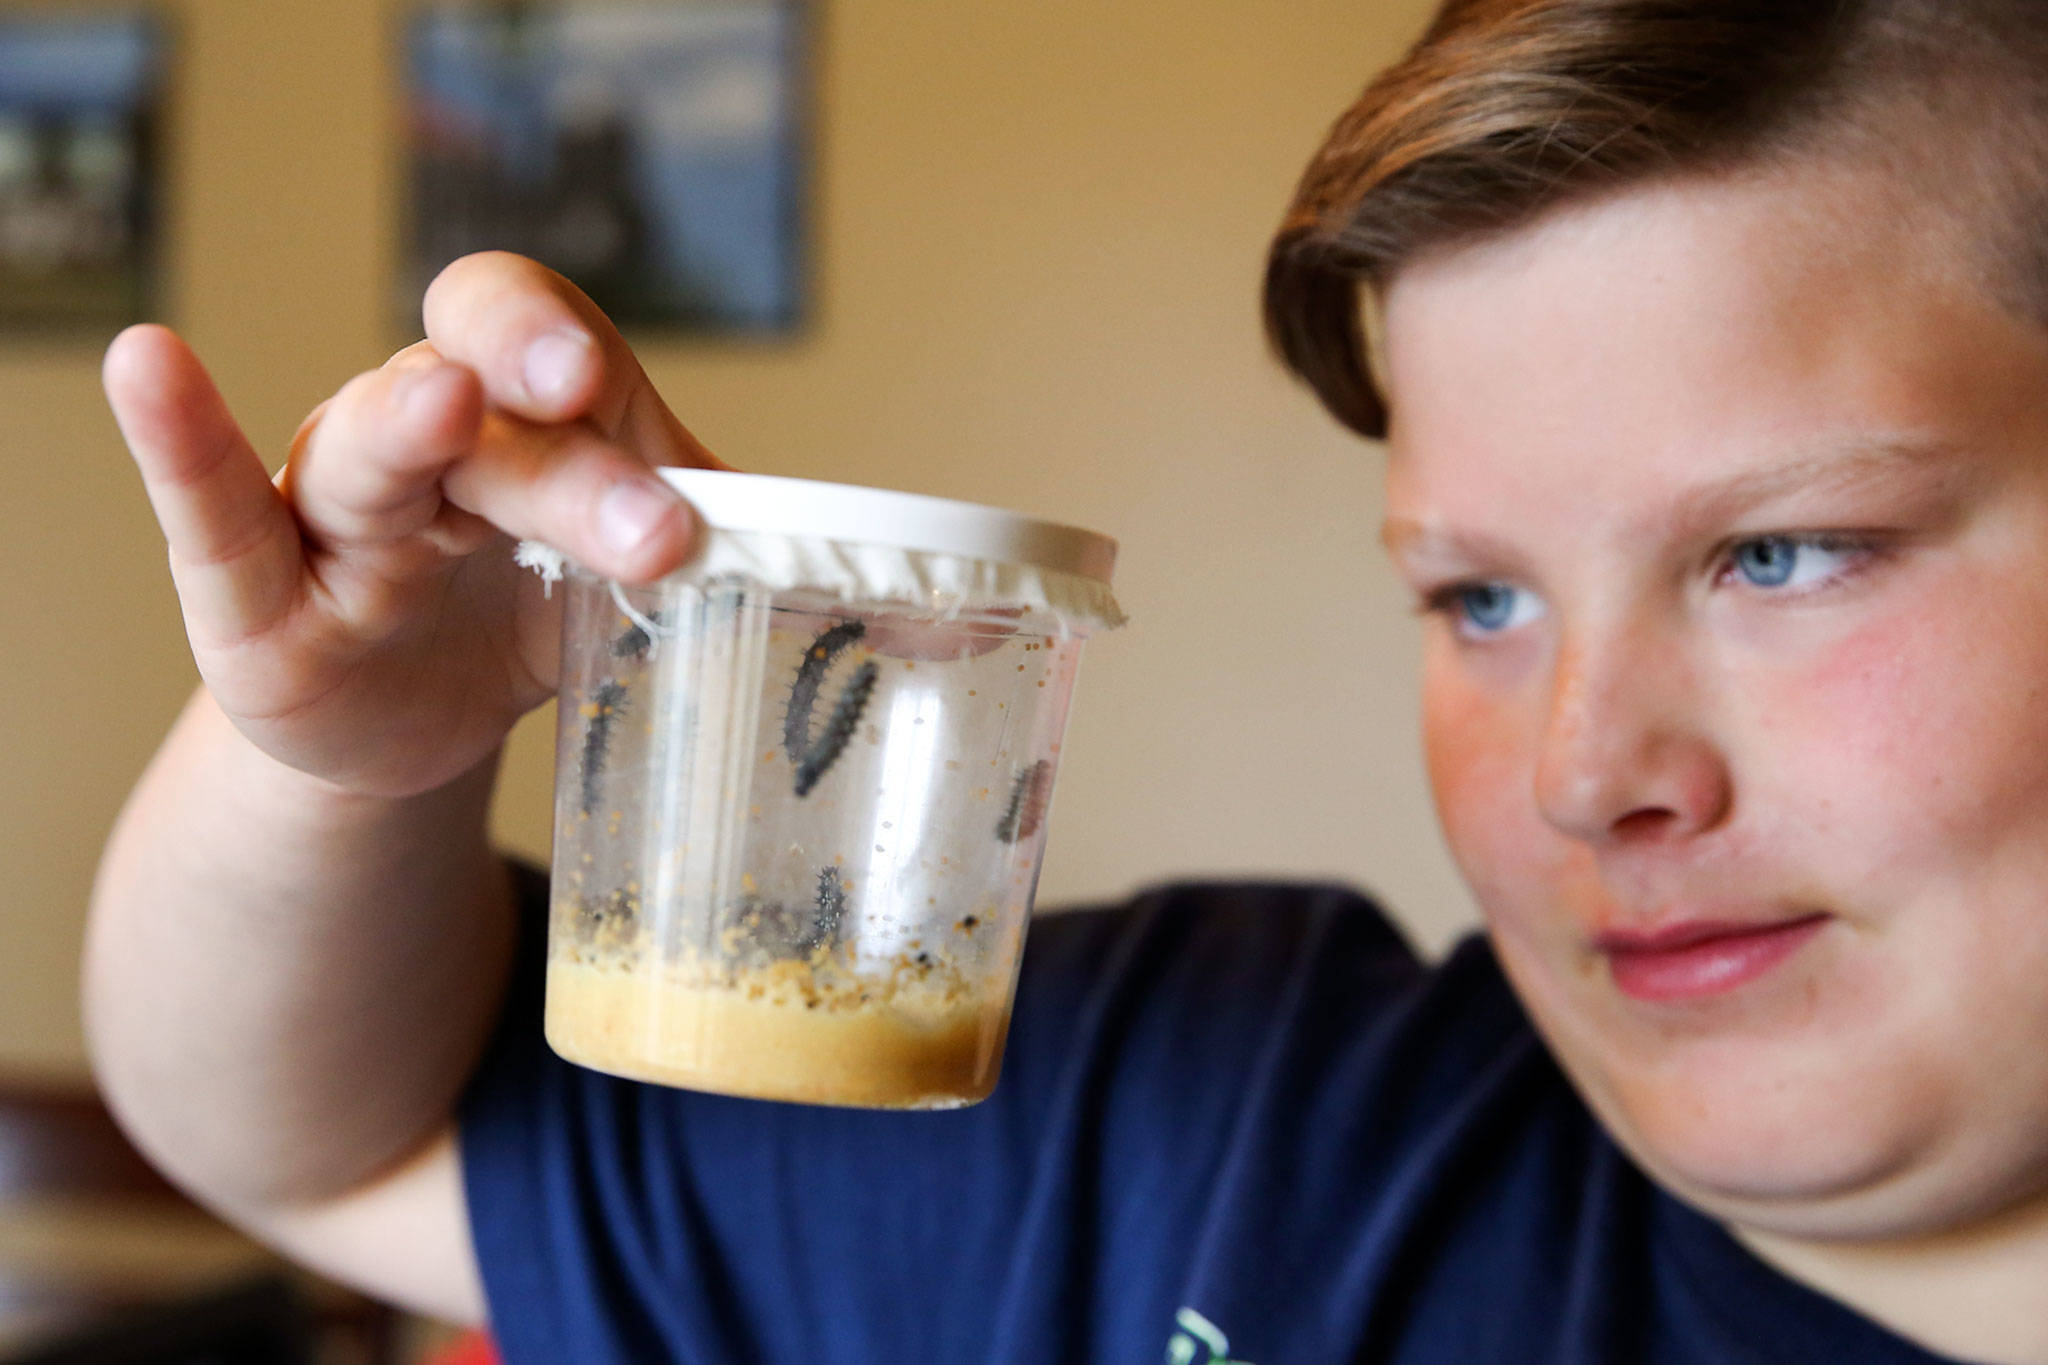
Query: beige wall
x=1039, y=228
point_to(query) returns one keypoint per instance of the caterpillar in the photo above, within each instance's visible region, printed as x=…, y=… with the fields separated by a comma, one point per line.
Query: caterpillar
x=833, y=739
x=812, y=758
x=831, y=905
x=810, y=676
x=1026, y=808
x=603, y=710
x=759, y=930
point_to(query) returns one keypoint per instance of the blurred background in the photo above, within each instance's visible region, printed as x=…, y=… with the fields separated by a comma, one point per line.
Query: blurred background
x=1026, y=246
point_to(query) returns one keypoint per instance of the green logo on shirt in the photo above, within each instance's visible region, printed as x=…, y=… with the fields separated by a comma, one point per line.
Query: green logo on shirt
x=1196, y=1332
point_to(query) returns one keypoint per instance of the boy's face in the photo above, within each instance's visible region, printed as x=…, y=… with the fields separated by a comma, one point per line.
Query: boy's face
x=1733, y=496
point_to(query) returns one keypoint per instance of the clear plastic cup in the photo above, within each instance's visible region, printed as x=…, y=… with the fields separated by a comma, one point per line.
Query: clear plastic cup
x=799, y=823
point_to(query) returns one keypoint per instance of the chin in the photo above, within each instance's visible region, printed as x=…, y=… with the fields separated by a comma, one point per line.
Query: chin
x=1845, y=1195
x=1779, y=1118
x=1737, y=1130
x=1833, y=1144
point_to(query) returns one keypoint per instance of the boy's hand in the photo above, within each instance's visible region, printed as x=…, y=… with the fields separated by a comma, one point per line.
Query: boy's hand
x=361, y=618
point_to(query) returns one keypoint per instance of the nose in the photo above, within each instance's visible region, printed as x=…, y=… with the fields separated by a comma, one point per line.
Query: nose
x=1626, y=755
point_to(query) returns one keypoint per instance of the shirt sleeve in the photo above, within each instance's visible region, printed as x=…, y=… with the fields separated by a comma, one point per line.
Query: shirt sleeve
x=620, y=1221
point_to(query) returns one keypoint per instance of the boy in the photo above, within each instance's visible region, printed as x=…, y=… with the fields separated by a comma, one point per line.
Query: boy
x=1708, y=342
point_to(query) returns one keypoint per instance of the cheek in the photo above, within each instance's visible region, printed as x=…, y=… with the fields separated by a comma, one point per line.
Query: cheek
x=1909, y=773
x=1481, y=777
x=1919, y=739
x=1462, y=744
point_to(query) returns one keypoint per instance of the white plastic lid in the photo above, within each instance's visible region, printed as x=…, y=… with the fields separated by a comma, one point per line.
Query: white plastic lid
x=875, y=545
x=738, y=501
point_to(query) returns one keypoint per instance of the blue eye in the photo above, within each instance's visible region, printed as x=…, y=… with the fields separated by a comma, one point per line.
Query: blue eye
x=1488, y=606
x=1480, y=610
x=1793, y=561
x=1766, y=562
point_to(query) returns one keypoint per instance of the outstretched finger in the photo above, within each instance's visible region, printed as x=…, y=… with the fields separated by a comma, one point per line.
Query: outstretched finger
x=235, y=551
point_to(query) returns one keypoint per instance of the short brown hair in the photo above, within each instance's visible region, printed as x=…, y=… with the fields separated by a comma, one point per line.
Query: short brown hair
x=1508, y=107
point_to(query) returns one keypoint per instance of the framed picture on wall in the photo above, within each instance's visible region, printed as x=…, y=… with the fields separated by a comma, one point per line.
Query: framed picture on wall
x=81, y=93
x=650, y=150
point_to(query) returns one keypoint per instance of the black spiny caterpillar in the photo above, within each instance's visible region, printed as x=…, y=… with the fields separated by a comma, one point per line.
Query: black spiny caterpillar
x=831, y=905
x=813, y=758
x=758, y=930
x=603, y=711
x=810, y=676
x=832, y=740
x=1026, y=811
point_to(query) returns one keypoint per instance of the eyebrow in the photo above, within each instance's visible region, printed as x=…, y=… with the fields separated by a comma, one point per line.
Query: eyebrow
x=1846, y=465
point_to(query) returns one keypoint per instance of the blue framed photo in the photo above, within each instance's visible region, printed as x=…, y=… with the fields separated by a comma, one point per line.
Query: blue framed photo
x=650, y=150
x=81, y=115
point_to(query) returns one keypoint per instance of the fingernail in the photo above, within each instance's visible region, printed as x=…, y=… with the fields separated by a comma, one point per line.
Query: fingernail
x=632, y=511
x=554, y=362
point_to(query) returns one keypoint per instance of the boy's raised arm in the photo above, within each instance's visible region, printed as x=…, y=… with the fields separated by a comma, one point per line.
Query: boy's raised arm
x=286, y=987
x=300, y=937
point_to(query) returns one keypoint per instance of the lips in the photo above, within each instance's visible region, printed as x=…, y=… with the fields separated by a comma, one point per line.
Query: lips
x=1701, y=958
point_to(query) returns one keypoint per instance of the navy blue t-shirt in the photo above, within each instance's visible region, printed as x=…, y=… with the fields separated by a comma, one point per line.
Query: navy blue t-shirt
x=1236, y=1122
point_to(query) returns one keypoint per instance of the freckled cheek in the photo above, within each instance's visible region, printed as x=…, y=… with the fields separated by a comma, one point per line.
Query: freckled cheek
x=1481, y=777
x=1916, y=735
x=1859, y=703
